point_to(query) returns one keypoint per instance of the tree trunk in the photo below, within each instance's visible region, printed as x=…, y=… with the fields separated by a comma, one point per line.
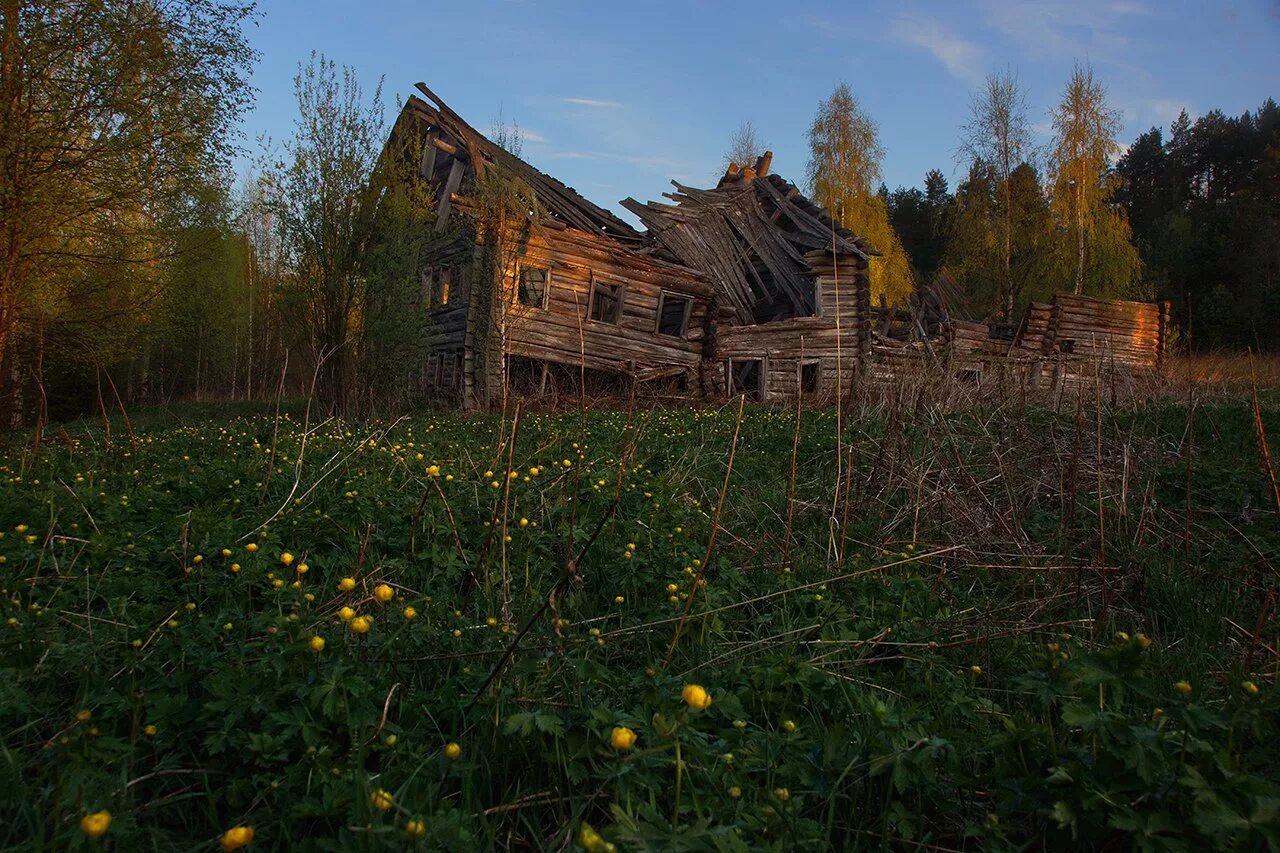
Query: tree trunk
x=1080, y=231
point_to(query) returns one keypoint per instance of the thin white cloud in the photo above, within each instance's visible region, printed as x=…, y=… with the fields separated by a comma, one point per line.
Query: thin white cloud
x=958, y=55
x=531, y=135
x=592, y=102
x=1076, y=29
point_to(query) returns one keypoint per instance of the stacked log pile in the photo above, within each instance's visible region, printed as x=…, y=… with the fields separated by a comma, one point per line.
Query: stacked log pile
x=1126, y=334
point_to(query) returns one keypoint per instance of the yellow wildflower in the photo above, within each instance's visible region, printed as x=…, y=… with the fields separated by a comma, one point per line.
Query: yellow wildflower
x=236, y=838
x=452, y=751
x=382, y=800
x=622, y=738
x=383, y=593
x=696, y=697
x=95, y=825
x=317, y=644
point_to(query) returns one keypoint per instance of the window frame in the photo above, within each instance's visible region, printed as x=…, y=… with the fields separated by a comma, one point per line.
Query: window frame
x=817, y=382
x=444, y=283
x=621, y=290
x=731, y=386
x=546, y=285
x=683, y=335
x=459, y=364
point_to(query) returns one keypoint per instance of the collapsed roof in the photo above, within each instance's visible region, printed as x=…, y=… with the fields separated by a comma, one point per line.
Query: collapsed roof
x=751, y=234
x=755, y=235
x=448, y=133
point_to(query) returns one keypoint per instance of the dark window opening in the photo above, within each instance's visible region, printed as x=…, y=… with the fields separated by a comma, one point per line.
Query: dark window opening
x=810, y=376
x=746, y=377
x=606, y=302
x=437, y=286
x=673, y=315
x=533, y=287
x=1068, y=346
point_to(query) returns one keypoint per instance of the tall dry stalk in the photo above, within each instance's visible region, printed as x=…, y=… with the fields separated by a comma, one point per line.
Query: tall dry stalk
x=711, y=541
x=795, y=447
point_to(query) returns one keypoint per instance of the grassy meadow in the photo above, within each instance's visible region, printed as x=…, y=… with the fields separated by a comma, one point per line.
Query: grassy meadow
x=995, y=626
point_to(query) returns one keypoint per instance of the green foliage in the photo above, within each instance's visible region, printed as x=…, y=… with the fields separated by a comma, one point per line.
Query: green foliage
x=844, y=169
x=103, y=169
x=868, y=702
x=1206, y=218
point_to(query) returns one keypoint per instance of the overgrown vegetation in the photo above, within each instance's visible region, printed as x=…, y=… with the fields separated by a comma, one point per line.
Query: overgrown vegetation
x=994, y=626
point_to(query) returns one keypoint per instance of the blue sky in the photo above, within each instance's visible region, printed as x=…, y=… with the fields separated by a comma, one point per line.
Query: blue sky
x=616, y=99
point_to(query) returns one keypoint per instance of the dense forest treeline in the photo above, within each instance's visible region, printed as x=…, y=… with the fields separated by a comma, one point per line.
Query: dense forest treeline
x=1200, y=206
x=136, y=268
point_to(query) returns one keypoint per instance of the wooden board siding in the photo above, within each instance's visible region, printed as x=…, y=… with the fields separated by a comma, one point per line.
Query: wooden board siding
x=562, y=332
x=446, y=332
x=783, y=343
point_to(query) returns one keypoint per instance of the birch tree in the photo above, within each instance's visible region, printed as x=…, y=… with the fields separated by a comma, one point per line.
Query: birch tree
x=1085, y=128
x=844, y=170
x=745, y=146
x=999, y=133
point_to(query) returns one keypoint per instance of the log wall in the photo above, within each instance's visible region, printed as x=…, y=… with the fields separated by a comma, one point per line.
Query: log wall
x=832, y=338
x=563, y=331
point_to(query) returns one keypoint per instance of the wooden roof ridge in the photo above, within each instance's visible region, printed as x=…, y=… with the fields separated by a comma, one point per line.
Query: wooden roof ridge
x=561, y=202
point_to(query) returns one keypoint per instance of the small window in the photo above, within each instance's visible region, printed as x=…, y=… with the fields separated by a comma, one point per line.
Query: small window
x=429, y=286
x=673, y=315
x=606, y=302
x=440, y=293
x=810, y=376
x=433, y=369
x=533, y=287
x=746, y=376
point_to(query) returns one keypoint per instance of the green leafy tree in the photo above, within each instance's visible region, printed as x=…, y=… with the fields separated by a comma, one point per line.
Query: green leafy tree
x=999, y=133
x=322, y=196
x=973, y=251
x=844, y=169
x=1085, y=128
x=112, y=115
x=745, y=146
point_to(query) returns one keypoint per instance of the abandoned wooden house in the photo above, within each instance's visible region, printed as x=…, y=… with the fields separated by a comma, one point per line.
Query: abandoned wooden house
x=748, y=288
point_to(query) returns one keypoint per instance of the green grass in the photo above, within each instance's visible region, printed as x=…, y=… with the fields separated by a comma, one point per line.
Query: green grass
x=929, y=657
